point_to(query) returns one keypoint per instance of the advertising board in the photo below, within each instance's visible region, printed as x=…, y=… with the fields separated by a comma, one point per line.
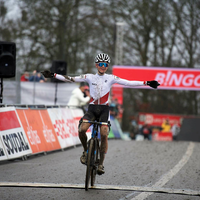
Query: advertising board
x=39, y=130
x=13, y=137
x=169, y=78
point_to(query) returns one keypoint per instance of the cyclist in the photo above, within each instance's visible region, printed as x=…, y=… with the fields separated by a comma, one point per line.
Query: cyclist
x=100, y=85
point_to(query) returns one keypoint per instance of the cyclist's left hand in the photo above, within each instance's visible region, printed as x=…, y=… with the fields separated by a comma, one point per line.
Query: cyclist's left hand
x=47, y=74
x=153, y=84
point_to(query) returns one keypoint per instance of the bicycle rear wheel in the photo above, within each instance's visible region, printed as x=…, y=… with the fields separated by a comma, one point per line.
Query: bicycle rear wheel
x=96, y=161
x=90, y=162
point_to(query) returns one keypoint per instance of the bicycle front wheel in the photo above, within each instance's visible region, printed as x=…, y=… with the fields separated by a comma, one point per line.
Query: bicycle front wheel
x=96, y=161
x=90, y=163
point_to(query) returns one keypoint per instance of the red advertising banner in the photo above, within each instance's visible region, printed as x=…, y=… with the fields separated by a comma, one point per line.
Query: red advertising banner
x=162, y=136
x=169, y=78
x=158, y=119
x=11, y=117
x=39, y=130
x=117, y=93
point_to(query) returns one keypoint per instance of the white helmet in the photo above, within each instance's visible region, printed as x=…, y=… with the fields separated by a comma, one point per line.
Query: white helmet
x=102, y=57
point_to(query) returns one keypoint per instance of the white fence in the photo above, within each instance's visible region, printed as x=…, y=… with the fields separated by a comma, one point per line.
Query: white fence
x=47, y=93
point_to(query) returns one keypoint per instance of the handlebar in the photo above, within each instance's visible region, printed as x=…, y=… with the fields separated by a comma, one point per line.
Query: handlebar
x=99, y=123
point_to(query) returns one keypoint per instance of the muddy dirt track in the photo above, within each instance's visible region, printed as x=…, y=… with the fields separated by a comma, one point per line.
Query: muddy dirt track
x=134, y=170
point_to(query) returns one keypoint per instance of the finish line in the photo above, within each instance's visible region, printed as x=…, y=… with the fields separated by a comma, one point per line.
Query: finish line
x=102, y=187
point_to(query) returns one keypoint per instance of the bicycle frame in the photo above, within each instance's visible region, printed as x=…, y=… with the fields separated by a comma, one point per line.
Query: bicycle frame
x=93, y=153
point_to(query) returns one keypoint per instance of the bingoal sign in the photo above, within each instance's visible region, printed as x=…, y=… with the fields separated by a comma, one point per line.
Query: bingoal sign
x=169, y=78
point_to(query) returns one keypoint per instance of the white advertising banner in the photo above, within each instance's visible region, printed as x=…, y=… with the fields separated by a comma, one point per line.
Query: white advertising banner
x=12, y=134
x=77, y=114
x=73, y=122
x=64, y=127
x=3, y=155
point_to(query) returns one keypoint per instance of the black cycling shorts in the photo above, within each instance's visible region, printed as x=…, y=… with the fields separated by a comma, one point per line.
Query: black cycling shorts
x=99, y=113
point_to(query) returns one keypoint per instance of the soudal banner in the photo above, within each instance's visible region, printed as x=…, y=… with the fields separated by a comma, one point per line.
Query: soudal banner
x=39, y=130
x=3, y=155
x=169, y=78
x=12, y=134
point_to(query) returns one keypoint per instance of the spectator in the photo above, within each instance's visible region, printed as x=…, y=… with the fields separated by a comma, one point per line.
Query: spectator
x=146, y=131
x=120, y=111
x=116, y=109
x=166, y=127
x=33, y=76
x=36, y=77
x=40, y=78
x=77, y=98
x=133, y=129
x=86, y=91
x=175, y=131
x=25, y=77
x=113, y=109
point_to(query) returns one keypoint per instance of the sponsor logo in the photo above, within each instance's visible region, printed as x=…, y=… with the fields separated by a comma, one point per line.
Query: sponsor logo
x=178, y=79
x=65, y=128
x=15, y=143
x=48, y=134
x=83, y=76
x=33, y=136
x=71, y=123
x=61, y=129
x=171, y=78
x=94, y=84
x=2, y=152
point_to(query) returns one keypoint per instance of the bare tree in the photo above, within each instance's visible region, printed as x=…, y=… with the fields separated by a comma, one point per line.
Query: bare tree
x=157, y=33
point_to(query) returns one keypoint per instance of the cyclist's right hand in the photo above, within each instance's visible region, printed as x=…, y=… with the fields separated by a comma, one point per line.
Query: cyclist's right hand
x=47, y=74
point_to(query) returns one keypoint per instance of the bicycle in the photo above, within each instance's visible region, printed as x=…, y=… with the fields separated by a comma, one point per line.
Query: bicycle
x=93, y=153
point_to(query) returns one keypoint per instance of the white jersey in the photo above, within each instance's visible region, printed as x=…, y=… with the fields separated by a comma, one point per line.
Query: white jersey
x=100, y=85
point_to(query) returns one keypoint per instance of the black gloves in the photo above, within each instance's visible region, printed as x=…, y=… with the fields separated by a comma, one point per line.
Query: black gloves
x=47, y=74
x=153, y=84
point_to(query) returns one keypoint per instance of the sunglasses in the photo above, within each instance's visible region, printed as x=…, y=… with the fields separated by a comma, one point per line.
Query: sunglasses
x=101, y=64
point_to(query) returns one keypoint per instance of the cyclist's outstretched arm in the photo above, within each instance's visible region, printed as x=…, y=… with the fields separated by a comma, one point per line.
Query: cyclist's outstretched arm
x=153, y=83
x=65, y=78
